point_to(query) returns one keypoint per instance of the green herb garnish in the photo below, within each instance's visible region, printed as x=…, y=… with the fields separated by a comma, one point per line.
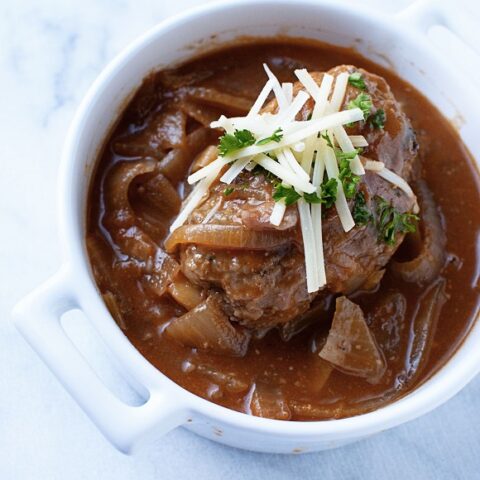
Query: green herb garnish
x=231, y=142
x=276, y=136
x=390, y=221
x=228, y=191
x=363, y=102
x=348, y=178
x=346, y=155
x=288, y=194
x=377, y=119
x=361, y=214
x=356, y=80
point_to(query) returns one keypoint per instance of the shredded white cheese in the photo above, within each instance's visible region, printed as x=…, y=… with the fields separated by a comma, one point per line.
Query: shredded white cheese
x=310, y=253
x=284, y=174
x=277, y=89
x=358, y=141
x=232, y=173
x=195, y=197
x=374, y=166
x=204, y=172
x=278, y=212
x=288, y=91
x=262, y=97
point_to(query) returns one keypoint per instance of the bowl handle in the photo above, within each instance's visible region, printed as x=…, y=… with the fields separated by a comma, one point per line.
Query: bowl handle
x=457, y=40
x=37, y=317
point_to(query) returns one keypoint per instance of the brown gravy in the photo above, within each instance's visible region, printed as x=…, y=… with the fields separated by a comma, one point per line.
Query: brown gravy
x=451, y=176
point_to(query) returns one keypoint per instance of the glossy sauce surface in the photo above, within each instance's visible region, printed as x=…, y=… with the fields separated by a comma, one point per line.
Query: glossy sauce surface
x=312, y=391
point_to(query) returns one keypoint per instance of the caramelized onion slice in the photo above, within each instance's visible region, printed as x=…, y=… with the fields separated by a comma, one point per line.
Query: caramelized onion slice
x=424, y=326
x=159, y=273
x=204, y=158
x=228, y=236
x=427, y=265
x=268, y=401
x=229, y=381
x=185, y=292
x=203, y=114
x=207, y=327
x=222, y=100
x=351, y=347
x=176, y=163
x=112, y=305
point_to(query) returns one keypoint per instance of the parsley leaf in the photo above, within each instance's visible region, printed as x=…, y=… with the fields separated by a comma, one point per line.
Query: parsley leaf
x=326, y=137
x=356, y=80
x=346, y=155
x=377, y=119
x=329, y=192
x=363, y=102
x=348, y=178
x=361, y=214
x=228, y=191
x=276, y=136
x=390, y=221
x=288, y=194
x=231, y=142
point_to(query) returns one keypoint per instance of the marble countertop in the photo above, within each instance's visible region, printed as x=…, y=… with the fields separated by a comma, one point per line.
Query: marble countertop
x=50, y=52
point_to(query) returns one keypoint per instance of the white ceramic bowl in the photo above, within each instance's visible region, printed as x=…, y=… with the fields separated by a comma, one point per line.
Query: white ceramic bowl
x=405, y=43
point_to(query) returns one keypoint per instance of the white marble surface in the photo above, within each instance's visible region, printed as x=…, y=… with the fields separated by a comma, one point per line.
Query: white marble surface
x=50, y=51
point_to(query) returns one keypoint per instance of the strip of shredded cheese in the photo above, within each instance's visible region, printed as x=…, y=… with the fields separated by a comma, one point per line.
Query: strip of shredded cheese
x=374, y=166
x=277, y=89
x=195, y=198
x=262, y=97
x=358, y=141
x=284, y=174
x=236, y=168
x=316, y=209
x=288, y=91
x=310, y=253
x=278, y=212
x=204, y=172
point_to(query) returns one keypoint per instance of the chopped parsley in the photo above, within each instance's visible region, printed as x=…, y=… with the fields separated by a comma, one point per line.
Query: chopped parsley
x=377, y=119
x=276, y=136
x=390, y=221
x=361, y=214
x=348, y=178
x=363, y=102
x=356, y=80
x=228, y=191
x=328, y=192
x=288, y=194
x=232, y=142
x=346, y=155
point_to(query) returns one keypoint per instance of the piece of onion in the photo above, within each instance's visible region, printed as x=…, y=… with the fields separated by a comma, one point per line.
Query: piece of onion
x=208, y=328
x=351, y=346
x=429, y=262
x=112, y=305
x=229, y=381
x=228, y=236
x=185, y=292
x=222, y=100
x=268, y=401
x=204, y=158
x=424, y=326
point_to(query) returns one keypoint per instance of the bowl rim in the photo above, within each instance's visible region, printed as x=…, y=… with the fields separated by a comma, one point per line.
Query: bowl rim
x=462, y=366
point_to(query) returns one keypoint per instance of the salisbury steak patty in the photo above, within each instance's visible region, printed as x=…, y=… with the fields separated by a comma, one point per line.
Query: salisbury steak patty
x=268, y=287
